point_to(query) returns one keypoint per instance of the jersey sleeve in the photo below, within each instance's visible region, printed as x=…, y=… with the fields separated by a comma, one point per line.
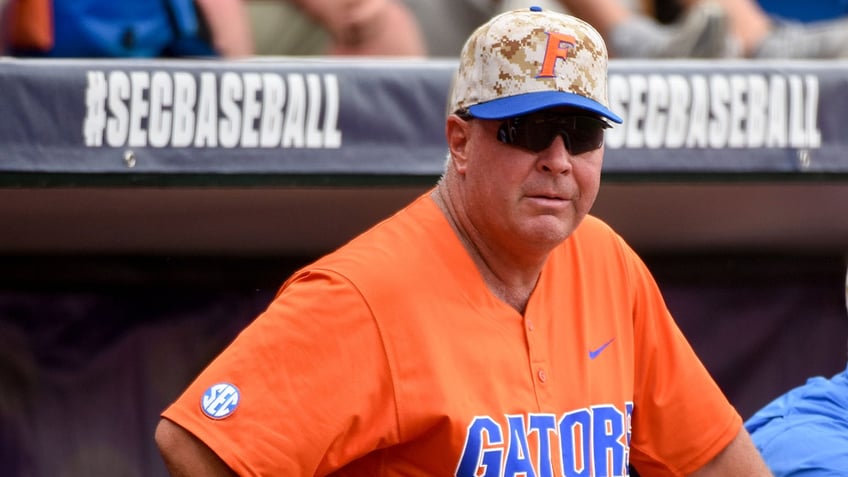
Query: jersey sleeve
x=681, y=418
x=303, y=390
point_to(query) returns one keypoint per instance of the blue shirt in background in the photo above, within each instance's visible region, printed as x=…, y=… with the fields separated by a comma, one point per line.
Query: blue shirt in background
x=804, y=433
x=805, y=11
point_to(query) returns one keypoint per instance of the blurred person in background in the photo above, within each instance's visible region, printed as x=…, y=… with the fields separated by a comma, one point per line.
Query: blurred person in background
x=632, y=28
x=804, y=432
x=411, y=28
x=712, y=29
x=202, y=28
x=325, y=27
x=98, y=29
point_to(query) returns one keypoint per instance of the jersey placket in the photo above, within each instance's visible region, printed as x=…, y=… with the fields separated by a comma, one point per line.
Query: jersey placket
x=538, y=357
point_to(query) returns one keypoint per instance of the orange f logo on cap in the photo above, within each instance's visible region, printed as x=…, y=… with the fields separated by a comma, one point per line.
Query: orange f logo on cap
x=557, y=48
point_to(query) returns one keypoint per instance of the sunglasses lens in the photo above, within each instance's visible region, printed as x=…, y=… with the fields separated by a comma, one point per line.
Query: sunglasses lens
x=536, y=132
x=587, y=135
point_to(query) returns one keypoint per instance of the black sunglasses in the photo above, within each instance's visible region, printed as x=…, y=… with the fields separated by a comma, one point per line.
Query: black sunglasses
x=536, y=131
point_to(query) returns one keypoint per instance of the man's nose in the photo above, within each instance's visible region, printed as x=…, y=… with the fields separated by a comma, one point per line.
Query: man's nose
x=556, y=159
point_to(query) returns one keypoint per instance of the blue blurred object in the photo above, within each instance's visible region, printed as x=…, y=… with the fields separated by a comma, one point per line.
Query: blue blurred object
x=804, y=432
x=129, y=28
x=805, y=11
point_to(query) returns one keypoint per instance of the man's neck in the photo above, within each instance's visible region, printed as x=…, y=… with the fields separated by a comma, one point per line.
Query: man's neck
x=508, y=278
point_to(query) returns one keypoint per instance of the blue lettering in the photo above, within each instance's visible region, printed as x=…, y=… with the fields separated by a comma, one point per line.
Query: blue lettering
x=473, y=455
x=574, y=437
x=518, y=452
x=607, y=432
x=628, y=413
x=544, y=425
x=590, y=442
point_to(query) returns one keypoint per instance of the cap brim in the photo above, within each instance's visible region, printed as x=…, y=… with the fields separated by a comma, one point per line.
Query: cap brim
x=517, y=105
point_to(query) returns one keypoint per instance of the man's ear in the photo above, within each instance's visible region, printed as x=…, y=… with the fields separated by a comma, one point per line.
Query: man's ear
x=458, y=132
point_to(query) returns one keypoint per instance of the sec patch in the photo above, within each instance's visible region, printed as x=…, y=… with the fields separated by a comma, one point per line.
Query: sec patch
x=220, y=400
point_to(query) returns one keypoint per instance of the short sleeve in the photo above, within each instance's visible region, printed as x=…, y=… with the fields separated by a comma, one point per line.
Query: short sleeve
x=681, y=418
x=317, y=343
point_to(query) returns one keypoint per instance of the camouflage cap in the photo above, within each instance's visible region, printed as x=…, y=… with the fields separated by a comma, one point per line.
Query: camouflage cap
x=526, y=60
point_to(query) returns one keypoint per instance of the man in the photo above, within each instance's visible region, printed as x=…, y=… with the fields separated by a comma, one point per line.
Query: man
x=208, y=28
x=804, y=432
x=316, y=27
x=97, y=29
x=491, y=327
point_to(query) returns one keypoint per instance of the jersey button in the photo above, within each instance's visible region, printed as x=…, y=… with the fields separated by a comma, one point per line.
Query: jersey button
x=542, y=375
x=530, y=326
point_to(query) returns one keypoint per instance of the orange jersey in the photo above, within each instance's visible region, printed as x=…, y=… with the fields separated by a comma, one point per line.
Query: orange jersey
x=390, y=357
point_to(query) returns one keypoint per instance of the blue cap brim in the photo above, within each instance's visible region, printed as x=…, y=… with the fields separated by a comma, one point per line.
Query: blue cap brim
x=530, y=102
